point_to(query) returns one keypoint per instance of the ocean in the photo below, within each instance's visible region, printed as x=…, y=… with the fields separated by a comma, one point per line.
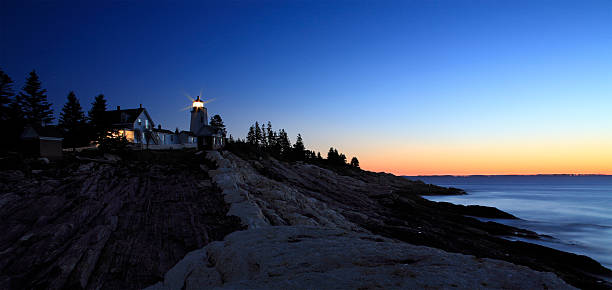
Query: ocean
x=574, y=211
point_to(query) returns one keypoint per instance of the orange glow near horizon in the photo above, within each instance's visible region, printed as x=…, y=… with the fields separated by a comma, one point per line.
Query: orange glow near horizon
x=543, y=158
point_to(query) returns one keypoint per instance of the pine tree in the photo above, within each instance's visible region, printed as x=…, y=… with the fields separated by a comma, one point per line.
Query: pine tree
x=6, y=96
x=335, y=158
x=251, y=136
x=270, y=135
x=298, y=149
x=284, y=144
x=33, y=102
x=217, y=123
x=258, y=135
x=10, y=113
x=96, y=119
x=264, y=137
x=332, y=155
x=355, y=162
x=72, y=122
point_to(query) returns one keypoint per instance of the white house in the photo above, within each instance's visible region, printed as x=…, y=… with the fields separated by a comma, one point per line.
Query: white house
x=137, y=126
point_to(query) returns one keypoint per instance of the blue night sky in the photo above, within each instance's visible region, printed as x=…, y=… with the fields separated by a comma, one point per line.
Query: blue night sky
x=442, y=80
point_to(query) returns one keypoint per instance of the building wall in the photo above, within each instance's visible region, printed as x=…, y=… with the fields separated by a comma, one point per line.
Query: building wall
x=168, y=139
x=199, y=118
x=141, y=124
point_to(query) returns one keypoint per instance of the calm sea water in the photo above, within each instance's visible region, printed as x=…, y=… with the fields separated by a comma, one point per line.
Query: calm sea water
x=576, y=211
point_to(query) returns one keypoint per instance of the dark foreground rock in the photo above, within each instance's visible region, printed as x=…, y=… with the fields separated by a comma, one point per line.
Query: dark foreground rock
x=98, y=226
x=122, y=224
x=298, y=257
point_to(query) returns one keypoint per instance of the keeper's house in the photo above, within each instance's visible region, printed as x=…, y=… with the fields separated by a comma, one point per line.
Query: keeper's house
x=138, y=127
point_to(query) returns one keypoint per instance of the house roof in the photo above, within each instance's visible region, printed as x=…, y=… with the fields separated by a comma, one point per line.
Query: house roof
x=124, y=117
x=37, y=131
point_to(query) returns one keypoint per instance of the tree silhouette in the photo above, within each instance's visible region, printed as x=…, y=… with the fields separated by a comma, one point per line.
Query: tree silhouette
x=217, y=123
x=251, y=136
x=6, y=96
x=271, y=135
x=96, y=119
x=258, y=135
x=299, y=149
x=33, y=102
x=334, y=158
x=355, y=162
x=10, y=113
x=72, y=122
x=284, y=144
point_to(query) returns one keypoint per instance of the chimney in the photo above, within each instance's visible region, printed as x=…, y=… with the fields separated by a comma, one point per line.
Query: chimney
x=118, y=108
x=141, y=106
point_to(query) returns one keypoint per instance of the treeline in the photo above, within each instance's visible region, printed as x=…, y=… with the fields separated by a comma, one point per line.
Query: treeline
x=32, y=107
x=263, y=139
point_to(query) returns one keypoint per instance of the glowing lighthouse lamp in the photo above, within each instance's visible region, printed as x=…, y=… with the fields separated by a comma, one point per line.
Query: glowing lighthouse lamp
x=199, y=115
x=197, y=104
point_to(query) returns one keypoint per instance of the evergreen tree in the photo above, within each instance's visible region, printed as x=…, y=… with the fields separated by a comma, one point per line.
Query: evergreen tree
x=271, y=135
x=251, y=136
x=10, y=113
x=355, y=162
x=72, y=122
x=264, y=137
x=33, y=102
x=275, y=147
x=6, y=96
x=319, y=156
x=284, y=144
x=217, y=123
x=96, y=119
x=334, y=158
x=298, y=149
x=332, y=155
x=258, y=136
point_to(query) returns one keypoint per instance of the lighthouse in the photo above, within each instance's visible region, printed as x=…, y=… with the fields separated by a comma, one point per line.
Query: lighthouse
x=199, y=116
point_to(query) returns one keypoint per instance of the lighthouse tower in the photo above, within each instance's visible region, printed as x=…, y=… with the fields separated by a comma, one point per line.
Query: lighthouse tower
x=199, y=116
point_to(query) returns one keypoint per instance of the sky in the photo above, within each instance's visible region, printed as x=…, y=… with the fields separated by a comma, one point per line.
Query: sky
x=409, y=87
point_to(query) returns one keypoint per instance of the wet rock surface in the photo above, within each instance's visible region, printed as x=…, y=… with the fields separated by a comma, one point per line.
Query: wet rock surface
x=91, y=225
x=301, y=257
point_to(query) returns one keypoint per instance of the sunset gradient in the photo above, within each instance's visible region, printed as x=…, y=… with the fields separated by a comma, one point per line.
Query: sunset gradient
x=409, y=87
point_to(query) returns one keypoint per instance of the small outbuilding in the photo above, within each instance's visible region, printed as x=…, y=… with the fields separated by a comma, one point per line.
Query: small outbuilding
x=42, y=141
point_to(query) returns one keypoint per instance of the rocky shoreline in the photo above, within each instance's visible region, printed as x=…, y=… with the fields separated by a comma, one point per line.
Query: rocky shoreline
x=128, y=224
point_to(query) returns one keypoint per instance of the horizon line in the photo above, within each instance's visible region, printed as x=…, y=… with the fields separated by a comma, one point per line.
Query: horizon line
x=536, y=174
